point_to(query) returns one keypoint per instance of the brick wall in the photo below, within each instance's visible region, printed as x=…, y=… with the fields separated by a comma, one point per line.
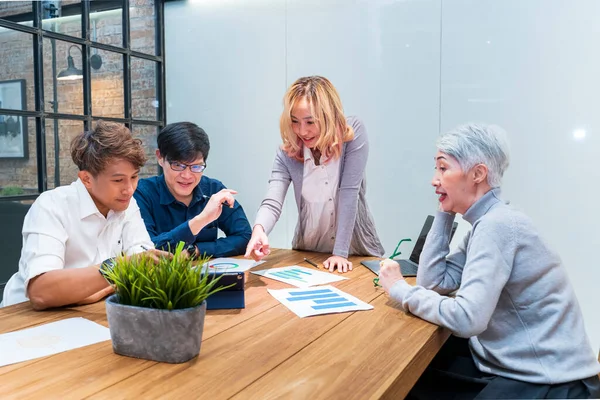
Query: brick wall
x=8, y=8
x=16, y=62
x=148, y=136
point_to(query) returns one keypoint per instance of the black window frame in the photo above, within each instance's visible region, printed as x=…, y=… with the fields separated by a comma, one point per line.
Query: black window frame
x=43, y=111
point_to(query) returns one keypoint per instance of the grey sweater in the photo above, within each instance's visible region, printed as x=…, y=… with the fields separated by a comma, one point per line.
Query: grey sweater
x=355, y=232
x=514, y=299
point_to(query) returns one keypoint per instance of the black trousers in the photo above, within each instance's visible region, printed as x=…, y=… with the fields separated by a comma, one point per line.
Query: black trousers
x=453, y=375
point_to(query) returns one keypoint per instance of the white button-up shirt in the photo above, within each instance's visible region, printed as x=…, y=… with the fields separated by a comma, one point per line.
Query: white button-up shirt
x=64, y=229
x=318, y=214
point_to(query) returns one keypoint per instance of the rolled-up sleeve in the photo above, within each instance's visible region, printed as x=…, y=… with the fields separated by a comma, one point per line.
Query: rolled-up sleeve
x=44, y=239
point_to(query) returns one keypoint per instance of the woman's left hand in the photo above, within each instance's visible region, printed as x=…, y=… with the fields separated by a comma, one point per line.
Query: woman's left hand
x=342, y=264
x=389, y=274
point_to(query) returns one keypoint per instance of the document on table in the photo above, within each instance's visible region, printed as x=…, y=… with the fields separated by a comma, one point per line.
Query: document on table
x=48, y=339
x=231, y=265
x=299, y=276
x=318, y=300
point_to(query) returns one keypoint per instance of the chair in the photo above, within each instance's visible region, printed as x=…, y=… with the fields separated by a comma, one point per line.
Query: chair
x=12, y=214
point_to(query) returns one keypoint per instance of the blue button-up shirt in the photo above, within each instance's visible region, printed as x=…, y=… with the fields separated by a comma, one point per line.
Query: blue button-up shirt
x=167, y=219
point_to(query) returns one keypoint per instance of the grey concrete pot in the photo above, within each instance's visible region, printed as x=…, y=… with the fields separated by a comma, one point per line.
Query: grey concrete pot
x=159, y=335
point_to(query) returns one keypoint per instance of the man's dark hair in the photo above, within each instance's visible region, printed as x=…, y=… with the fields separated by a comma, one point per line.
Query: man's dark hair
x=93, y=150
x=183, y=141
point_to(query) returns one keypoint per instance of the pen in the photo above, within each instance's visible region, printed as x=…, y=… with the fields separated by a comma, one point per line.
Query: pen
x=311, y=263
x=208, y=198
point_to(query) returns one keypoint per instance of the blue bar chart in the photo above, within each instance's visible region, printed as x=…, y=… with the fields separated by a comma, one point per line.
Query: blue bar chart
x=323, y=299
x=292, y=273
x=299, y=276
x=316, y=301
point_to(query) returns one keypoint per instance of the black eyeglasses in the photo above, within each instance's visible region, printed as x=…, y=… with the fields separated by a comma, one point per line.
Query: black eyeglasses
x=178, y=166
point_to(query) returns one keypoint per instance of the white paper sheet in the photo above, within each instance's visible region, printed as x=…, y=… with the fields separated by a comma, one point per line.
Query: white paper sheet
x=299, y=276
x=231, y=264
x=318, y=300
x=48, y=339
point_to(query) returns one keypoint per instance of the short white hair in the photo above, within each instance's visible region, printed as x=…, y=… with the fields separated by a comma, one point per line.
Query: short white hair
x=473, y=144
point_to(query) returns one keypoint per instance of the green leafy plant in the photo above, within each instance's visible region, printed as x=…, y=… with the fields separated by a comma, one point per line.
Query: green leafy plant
x=11, y=191
x=170, y=283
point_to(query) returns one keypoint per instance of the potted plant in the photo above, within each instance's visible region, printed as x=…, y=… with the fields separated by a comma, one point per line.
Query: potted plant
x=157, y=311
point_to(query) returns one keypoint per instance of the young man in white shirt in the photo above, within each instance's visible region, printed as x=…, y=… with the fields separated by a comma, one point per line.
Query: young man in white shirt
x=71, y=233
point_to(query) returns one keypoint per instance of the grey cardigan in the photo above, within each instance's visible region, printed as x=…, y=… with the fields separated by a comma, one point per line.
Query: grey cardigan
x=356, y=232
x=514, y=299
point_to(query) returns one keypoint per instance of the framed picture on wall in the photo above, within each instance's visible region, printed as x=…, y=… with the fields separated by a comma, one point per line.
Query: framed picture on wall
x=13, y=128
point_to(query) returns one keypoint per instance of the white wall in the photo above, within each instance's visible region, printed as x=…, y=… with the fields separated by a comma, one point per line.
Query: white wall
x=532, y=67
x=409, y=69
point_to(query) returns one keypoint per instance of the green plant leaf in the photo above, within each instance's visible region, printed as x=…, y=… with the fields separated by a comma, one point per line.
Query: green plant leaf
x=170, y=283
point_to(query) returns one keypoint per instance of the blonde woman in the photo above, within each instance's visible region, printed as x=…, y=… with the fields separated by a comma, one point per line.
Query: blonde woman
x=324, y=155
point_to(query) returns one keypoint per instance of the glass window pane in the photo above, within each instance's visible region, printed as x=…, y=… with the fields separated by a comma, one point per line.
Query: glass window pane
x=106, y=22
x=60, y=166
x=16, y=11
x=144, y=104
x=63, y=77
x=18, y=165
x=107, y=85
x=148, y=136
x=62, y=17
x=16, y=72
x=142, y=26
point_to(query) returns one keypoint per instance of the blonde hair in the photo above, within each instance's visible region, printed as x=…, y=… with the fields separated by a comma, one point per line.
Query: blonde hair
x=327, y=112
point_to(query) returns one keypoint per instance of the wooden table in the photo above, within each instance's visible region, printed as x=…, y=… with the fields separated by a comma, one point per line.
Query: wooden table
x=263, y=351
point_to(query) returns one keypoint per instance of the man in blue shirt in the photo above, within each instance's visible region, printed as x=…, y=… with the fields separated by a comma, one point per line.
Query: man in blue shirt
x=184, y=205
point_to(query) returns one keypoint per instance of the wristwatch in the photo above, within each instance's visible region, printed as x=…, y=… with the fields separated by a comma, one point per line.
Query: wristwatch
x=107, y=266
x=191, y=249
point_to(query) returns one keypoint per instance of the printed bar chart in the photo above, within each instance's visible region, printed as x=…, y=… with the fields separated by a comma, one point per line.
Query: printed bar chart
x=292, y=273
x=299, y=276
x=313, y=297
x=331, y=299
x=322, y=300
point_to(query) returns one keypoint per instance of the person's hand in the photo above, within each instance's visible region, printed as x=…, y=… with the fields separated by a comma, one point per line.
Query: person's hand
x=193, y=256
x=342, y=264
x=154, y=254
x=389, y=274
x=214, y=207
x=258, y=246
x=97, y=296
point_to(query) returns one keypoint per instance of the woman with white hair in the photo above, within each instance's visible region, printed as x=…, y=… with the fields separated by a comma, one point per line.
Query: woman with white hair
x=512, y=301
